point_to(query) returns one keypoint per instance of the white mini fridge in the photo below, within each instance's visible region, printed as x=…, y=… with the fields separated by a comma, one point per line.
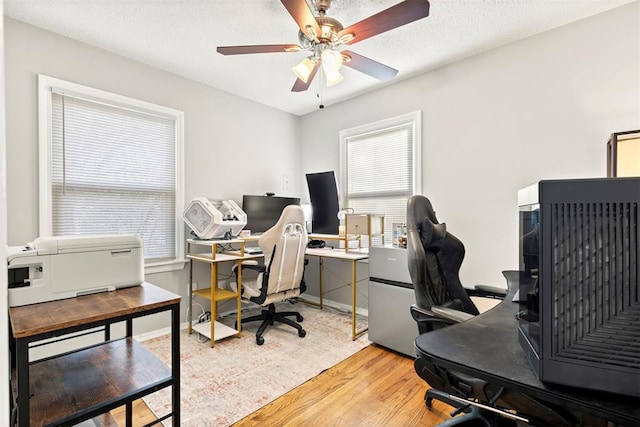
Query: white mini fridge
x=390, y=298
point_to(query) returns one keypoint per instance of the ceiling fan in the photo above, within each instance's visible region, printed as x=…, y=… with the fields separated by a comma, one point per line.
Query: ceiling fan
x=323, y=36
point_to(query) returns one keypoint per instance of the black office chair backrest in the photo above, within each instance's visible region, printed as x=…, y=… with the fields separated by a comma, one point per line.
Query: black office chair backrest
x=434, y=257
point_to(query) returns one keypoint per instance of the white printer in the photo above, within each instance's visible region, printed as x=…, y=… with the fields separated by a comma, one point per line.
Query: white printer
x=52, y=268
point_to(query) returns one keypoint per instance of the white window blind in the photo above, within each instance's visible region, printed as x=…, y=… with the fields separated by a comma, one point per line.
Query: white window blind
x=380, y=168
x=114, y=169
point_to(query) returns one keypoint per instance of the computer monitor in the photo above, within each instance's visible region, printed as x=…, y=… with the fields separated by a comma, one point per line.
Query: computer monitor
x=323, y=192
x=263, y=212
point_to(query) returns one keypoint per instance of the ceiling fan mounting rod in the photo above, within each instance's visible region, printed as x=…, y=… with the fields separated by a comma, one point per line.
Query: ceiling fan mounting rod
x=322, y=6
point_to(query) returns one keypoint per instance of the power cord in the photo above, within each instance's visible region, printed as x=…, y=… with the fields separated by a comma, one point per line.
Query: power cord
x=204, y=317
x=188, y=312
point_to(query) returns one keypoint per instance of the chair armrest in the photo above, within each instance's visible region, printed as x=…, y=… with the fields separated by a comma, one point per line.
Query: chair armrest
x=250, y=264
x=420, y=312
x=451, y=314
x=427, y=320
x=487, y=291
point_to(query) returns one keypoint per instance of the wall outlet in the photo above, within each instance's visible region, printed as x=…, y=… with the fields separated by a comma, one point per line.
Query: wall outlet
x=222, y=284
x=285, y=182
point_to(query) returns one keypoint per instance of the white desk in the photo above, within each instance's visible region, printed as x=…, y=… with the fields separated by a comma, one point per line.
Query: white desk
x=340, y=254
x=217, y=330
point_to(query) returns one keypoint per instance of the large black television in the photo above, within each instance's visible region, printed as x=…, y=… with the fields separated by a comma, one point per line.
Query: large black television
x=323, y=194
x=579, y=314
x=263, y=212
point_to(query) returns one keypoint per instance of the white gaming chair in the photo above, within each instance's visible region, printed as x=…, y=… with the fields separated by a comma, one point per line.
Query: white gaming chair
x=281, y=277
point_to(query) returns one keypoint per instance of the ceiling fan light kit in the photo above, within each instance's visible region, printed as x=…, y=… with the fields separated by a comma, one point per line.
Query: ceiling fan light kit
x=304, y=68
x=333, y=78
x=324, y=36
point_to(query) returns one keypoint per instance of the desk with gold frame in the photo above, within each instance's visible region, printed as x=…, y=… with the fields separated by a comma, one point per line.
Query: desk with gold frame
x=351, y=256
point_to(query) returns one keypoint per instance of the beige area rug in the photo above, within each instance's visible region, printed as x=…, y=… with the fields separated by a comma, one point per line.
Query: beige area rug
x=222, y=385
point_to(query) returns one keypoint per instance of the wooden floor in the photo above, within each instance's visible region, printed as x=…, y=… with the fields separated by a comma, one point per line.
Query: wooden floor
x=374, y=387
x=142, y=415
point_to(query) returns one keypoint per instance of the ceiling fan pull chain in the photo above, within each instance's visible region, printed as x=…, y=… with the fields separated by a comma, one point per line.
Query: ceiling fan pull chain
x=319, y=93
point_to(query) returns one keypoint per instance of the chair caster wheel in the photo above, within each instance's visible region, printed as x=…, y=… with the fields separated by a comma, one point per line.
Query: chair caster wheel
x=302, y=332
x=259, y=340
x=299, y=318
x=428, y=402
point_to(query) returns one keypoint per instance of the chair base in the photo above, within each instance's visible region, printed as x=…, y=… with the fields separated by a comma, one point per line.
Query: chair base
x=473, y=416
x=269, y=316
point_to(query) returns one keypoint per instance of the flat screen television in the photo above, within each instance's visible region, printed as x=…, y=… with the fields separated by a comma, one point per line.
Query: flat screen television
x=323, y=194
x=263, y=212
x=579, y=314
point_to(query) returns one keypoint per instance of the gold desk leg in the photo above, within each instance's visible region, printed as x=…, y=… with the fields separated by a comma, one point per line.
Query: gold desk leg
x=238, y=297
x=214, y=304
x=353, y=300
x=354, y=334
x=315, y=304
x=190, y=292
x=321, y=267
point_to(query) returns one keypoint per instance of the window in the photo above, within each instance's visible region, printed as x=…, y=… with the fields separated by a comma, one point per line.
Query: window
x=380, y=167
x=111, y=165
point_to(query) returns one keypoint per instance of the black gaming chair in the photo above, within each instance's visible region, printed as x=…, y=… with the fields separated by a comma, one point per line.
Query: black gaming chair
x=434, y=258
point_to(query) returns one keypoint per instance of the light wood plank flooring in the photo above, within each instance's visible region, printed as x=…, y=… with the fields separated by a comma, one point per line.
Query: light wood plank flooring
x=142, y=415
x=374, y=387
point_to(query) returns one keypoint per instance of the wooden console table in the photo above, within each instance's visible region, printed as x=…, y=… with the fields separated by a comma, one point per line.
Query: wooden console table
x=72, y=387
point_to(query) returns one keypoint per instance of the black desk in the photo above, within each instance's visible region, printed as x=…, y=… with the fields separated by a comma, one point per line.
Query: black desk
x=487, y=347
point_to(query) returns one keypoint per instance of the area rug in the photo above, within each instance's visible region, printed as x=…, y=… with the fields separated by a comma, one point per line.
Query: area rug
x=222, y=385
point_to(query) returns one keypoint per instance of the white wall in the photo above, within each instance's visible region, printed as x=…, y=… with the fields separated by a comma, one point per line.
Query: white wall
x=232, y=146
x=540, y=108
x=4, y=320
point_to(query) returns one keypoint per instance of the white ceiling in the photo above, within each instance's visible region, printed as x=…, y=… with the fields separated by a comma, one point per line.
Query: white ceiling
x=181, y=36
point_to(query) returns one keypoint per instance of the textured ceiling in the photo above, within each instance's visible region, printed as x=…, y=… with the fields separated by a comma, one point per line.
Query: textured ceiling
x=181, y=36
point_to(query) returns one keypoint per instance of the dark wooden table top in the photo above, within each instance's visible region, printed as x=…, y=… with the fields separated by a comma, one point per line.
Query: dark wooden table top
x=42, y=318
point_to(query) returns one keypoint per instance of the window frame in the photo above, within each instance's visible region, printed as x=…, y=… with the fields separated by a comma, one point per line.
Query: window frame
x=414, y=119
x=46, y=86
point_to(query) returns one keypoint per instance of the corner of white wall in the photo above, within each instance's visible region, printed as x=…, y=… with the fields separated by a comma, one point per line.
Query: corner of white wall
x=4, y=322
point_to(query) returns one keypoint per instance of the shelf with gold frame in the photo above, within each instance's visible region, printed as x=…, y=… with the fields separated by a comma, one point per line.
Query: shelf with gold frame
x=365, y=224
x=218, y=253
x=357, y=225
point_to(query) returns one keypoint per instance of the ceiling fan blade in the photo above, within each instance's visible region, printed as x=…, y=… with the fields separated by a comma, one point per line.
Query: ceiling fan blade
x=260, y=48
x=299, y=10
x=369, y=66
x=393, y=17
x=300, y=86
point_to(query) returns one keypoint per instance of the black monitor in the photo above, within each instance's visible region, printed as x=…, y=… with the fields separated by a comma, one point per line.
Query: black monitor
x=323, y=193
x=263, y=212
